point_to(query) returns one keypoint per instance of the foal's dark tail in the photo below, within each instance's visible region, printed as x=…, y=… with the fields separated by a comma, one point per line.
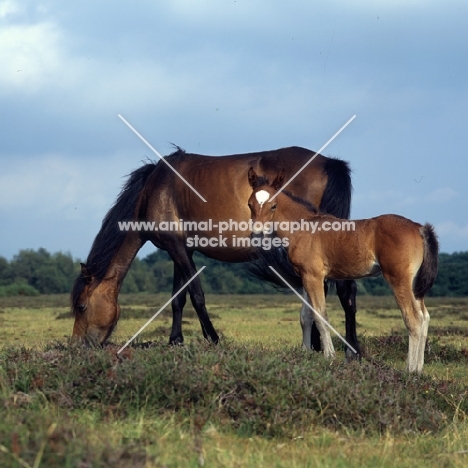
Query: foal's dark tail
x=427, y=272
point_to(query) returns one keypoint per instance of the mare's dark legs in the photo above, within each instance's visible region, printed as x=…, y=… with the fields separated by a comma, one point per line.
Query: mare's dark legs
x=313, y=286
x=346, y=291
x=197, y=296
x=315, y=334
x=184, y=270
x=315, y=338
x=177, y=305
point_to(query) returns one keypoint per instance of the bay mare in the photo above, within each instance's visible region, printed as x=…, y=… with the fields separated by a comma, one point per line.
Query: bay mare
x=404, y=252
x=154, y=193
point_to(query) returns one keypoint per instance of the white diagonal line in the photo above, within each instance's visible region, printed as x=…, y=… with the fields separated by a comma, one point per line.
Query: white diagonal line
x=314, y=311
x=313, y=157
x=157, y=154
x=160, y=310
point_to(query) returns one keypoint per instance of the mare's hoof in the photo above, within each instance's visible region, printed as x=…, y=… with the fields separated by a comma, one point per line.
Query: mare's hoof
x=213, y=339
x=176, y=341
x=352, y=356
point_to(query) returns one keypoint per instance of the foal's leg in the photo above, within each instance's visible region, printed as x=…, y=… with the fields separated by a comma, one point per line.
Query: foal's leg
x=315, y=343
x=315, y=334
x=316, y=293
x=416, y=321
x=423, y=338
x=346, y=291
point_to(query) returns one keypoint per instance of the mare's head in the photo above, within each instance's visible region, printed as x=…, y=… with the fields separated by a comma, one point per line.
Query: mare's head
x=95, y=292
x=261, y=203
x=95, y=307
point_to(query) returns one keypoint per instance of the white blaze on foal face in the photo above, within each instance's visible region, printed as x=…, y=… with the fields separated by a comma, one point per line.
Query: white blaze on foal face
x=262, y=196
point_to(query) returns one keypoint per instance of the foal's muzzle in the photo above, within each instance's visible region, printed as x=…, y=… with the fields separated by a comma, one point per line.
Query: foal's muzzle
x=257, y=235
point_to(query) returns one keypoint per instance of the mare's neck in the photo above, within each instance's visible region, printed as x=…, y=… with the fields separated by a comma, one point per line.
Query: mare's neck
x=122, y=260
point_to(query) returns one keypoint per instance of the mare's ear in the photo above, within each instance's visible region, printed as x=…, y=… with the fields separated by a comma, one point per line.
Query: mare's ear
x=279, y=179
x=252, y=177
x=86, y=273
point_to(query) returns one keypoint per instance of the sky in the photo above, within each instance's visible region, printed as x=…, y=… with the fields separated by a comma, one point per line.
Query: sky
x=228, y=76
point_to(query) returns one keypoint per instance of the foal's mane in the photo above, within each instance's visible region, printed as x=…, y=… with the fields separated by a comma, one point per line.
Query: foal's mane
x=110, y=238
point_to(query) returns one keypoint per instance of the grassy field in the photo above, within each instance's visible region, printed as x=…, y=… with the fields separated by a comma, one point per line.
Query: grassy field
x=257, y=399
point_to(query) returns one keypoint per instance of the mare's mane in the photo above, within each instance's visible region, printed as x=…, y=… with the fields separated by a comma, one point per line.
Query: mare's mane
x=110, y=238
x=262, y=181
x=309, y=206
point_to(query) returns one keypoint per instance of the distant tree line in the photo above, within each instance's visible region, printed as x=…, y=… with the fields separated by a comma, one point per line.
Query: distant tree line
x=33, y=272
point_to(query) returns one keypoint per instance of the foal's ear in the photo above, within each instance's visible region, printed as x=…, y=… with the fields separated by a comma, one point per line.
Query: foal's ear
x=86, y=273
x=279, y=179
x=252, y=177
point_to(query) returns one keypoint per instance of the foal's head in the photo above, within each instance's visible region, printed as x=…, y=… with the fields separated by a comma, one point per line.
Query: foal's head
x=262, y=205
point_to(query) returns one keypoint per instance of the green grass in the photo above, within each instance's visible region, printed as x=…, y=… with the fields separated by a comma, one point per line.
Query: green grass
x=257, y=399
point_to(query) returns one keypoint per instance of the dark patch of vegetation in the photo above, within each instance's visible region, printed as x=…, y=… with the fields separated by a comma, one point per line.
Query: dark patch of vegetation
x=451, y=330
x=18, y=289
x=41, y=271
x=451, y=278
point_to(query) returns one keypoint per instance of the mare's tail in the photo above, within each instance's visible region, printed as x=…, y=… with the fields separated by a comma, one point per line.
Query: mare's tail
x=278, y=259
x=336, y=199
x=427, y=272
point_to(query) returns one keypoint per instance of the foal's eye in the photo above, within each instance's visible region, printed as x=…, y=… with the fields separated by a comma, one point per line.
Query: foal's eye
x=81, y=307
x=273, y=208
